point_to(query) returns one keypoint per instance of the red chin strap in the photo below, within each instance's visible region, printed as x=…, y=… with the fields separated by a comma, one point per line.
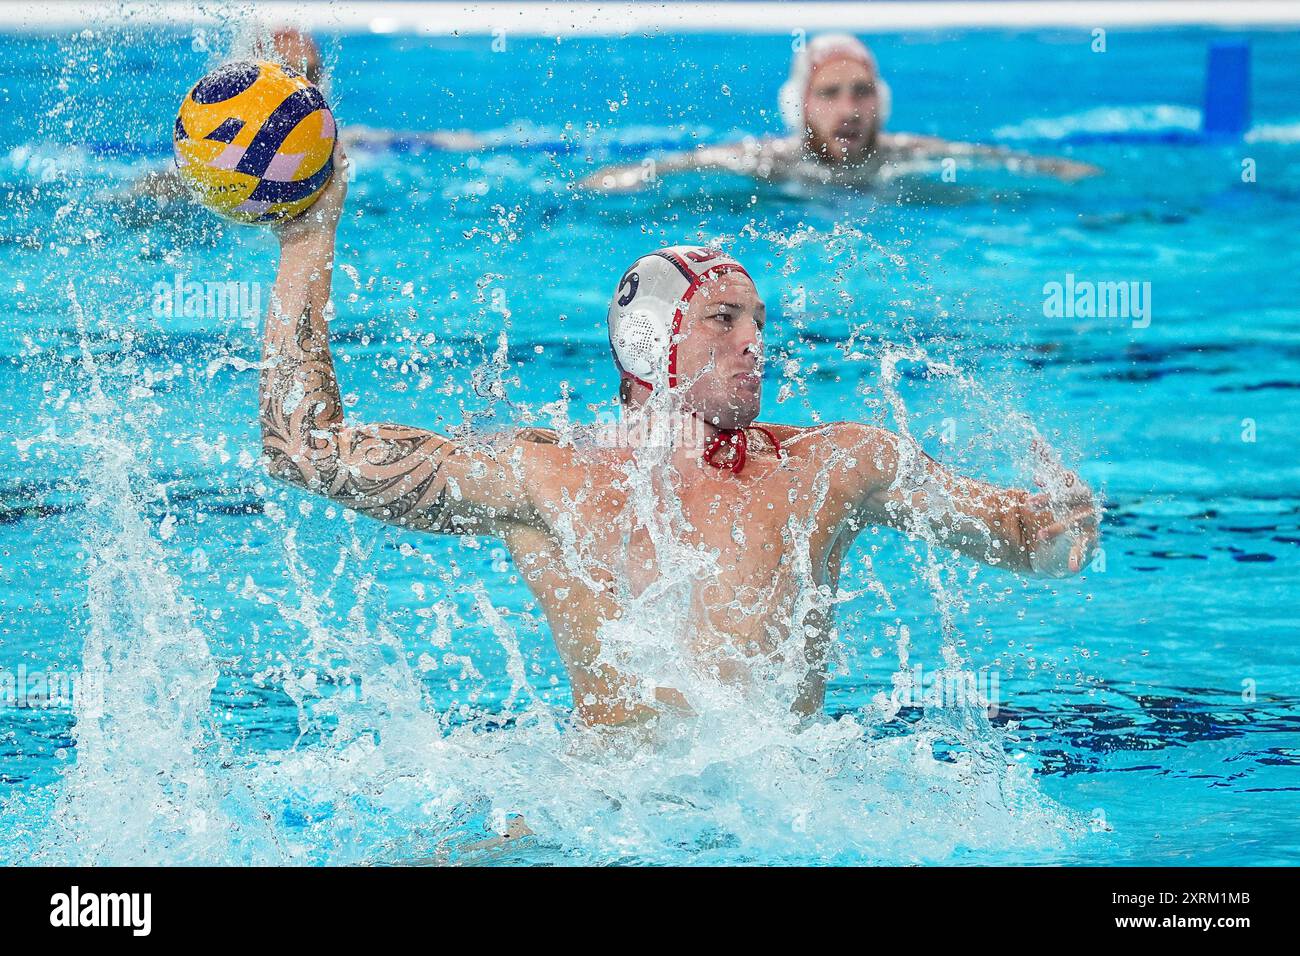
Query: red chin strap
x=725, y=438
x=737, y=439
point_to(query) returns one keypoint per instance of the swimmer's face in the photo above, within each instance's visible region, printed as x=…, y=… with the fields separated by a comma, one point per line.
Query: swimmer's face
x=720, y=351
x=842, y=110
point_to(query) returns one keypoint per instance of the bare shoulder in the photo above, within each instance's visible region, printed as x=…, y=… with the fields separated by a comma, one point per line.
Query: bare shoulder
x=797, y=441
x=854, y=462
x=806, y=440
x=547, y=456
x=857, y=457
x=525, y=458
x=550, y=464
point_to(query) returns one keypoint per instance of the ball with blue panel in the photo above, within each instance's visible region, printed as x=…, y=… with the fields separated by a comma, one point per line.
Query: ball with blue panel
x=255, y=142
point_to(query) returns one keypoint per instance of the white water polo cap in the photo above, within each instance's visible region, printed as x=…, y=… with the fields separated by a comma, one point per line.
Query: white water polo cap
x=821, y=49
x=645, y=315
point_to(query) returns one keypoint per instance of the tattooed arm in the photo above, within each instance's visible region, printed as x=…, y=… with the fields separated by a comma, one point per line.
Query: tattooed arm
x=398, y=474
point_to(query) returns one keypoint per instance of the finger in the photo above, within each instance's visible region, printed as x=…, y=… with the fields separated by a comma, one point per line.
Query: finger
x=1051, y=531
x=1081, y=494
x=1083, y=521
x=1082, y=518
x=1076, y=524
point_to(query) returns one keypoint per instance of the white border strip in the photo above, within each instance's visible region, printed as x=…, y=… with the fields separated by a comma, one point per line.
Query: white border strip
x=440, y=18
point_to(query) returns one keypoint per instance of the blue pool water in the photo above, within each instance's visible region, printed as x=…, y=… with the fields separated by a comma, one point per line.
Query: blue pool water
x=284, y=685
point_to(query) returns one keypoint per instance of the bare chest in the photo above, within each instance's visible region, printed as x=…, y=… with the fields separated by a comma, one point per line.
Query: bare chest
x=733, y=537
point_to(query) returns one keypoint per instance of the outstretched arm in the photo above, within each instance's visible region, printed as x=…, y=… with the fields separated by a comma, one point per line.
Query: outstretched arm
x=395, y=473
x=897, y=484
x=740, y=158
x=998, y=157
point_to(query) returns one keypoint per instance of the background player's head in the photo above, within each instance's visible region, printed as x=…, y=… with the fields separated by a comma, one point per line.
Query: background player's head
x=690, y=317
x=835, y=98
x=295, y=49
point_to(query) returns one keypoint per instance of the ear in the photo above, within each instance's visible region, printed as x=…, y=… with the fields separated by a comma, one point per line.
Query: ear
x=790, y=101
x=886, y=100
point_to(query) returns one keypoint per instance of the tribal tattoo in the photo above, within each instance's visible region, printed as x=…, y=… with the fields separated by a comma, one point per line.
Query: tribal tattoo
x=393, y=473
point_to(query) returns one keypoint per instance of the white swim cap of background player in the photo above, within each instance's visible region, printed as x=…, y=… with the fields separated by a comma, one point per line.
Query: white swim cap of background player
x=648, y=302
x=813, y=53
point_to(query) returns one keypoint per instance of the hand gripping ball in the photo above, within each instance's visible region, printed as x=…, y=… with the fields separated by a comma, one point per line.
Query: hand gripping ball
x=255, y=142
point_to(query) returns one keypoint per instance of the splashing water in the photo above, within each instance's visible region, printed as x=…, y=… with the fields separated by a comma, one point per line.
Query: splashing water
x=394, y=781
x=143, y=780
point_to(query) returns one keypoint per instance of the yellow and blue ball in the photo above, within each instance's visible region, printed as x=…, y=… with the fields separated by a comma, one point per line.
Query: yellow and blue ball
x=255, y=142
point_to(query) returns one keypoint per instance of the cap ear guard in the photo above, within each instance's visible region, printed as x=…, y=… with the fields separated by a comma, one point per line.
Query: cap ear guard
x=640, y=343
x=790, y=102
x=641, y=318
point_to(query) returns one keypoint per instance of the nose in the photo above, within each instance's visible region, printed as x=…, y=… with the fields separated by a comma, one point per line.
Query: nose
x=751, y=342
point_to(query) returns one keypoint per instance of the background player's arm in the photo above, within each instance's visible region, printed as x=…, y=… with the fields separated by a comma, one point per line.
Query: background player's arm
x=998, y=157
x=899, y=485
x=628, y=177
x=395, y=473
